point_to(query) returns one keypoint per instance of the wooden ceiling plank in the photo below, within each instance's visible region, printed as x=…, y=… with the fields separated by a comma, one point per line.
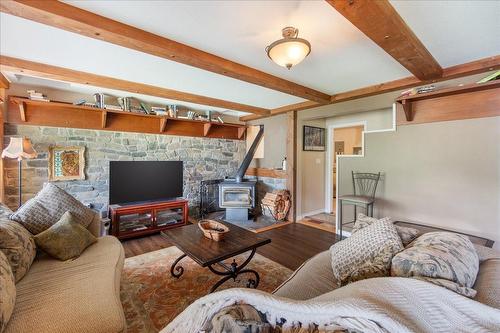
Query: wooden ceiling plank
x=449, y=73
x=76, y=20
x=31, y=68
x=4, y=83
x=380, y=22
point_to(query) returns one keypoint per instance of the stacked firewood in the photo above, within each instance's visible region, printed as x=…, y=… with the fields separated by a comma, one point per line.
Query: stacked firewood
x=276, y=204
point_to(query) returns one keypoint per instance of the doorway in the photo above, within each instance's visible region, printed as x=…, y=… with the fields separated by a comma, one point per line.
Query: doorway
x=343, y=140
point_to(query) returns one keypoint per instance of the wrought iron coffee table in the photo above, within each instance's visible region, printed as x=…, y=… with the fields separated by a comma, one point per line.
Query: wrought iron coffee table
x=208, y=253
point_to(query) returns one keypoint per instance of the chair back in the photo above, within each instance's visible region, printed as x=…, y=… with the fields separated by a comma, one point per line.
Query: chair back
x=365, y=184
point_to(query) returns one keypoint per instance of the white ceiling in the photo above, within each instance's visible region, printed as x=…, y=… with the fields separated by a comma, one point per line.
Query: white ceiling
x=342, y=58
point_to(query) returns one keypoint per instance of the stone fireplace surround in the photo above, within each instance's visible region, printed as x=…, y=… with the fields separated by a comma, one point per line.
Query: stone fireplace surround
x=204, y=158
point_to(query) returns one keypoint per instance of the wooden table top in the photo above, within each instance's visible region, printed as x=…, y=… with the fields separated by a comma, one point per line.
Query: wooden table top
x=190, y=240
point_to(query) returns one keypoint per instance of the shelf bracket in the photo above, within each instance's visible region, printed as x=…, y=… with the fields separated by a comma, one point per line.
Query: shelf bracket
x=407, y=108
x=22, y=111
x=163, y=124
x=206, y=128
x=241, y=132
x=104, y=118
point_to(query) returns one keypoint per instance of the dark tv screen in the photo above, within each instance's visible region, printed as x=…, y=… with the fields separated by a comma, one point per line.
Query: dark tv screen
x=133, y=181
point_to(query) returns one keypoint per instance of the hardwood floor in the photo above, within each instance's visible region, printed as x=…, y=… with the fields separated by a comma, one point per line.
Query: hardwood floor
x=290, y=245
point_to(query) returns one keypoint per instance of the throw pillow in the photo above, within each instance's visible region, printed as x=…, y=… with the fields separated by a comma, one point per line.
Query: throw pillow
x=66, y=239
x=443, y=258
x=366, y=254
x=47, y=207
x=7, y=292
x=18, y=246
x=406, y=234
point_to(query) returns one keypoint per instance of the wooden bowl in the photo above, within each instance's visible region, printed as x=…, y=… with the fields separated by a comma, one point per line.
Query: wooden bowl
x=213, y=229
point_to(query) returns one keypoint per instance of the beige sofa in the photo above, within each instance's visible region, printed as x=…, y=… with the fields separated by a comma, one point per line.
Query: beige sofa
x=81, y=295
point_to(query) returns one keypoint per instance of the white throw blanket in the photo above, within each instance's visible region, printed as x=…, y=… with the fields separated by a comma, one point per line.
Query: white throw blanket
x=388, y=304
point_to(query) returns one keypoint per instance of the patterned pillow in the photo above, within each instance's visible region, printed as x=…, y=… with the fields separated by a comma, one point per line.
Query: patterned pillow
x=7, y=292
x=443, y=258
x=18, y=246
x=47, y=207
x=406, y=234
x=66, y=239
x=366, y=254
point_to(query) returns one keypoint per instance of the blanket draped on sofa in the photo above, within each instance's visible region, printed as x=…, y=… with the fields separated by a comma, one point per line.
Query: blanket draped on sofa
x=388, y=304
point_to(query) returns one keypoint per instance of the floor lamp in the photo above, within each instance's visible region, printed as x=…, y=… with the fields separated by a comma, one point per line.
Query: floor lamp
x=20, y=148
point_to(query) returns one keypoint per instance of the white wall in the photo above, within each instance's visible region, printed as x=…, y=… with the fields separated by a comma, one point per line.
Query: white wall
x=275, y=131
x=445, y=174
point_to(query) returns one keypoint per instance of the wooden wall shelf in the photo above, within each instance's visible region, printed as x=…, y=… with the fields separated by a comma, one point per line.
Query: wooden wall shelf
x=466, y=102
x=263, y=172
x=57, y=114
x=408, y=101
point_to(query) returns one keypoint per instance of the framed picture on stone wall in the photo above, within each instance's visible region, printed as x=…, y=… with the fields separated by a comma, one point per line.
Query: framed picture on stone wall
x=313, y=138
x=66, y=163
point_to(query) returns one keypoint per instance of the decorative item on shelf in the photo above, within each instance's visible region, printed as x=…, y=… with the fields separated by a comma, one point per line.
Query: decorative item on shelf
x=426, y=89
x=124, y=103
x=290, y=50
x=492, y=77
x=213, y=230
x=20, y=148
x=283, y=164
x=172, y=111
x=80, y=102
x=66, y=163
x=313, y=138
x=276, y=204
x=159, y=110
x=192, y=115
x=36, y=96
x=220, y=119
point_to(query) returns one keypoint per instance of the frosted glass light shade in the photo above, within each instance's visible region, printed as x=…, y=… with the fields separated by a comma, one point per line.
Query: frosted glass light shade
x=19, y=147
x=290, y=50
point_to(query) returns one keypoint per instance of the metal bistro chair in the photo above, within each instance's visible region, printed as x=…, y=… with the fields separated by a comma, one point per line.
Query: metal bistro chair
x=365, y=186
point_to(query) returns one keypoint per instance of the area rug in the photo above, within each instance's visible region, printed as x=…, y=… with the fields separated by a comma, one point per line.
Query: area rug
x=151, y=297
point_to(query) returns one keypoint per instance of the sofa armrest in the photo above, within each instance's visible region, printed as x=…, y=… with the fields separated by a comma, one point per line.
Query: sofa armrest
x=95, y=227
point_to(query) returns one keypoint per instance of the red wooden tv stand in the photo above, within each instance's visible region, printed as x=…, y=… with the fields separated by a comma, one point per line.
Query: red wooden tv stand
x=132, y=220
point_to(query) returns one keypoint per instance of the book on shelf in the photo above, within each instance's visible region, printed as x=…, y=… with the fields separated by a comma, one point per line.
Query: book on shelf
x=492, y=77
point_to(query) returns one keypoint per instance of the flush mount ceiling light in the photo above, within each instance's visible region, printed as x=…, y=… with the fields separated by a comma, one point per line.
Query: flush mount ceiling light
x=290, y=50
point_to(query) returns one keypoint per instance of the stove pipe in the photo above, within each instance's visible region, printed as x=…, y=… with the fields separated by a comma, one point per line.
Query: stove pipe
x=249, y=156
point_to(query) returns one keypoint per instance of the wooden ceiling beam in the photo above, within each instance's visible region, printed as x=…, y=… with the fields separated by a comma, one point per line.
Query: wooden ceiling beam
x=70, y=18
x=380, y=22
x=36, y=69
x=449, y=73
x=4, y=83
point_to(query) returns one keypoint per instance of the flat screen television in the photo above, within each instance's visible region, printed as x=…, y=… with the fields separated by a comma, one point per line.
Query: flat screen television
x=136, y=181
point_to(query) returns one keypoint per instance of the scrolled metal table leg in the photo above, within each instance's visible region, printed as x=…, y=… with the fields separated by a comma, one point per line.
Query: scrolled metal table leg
x=252, y=283
x=179, y=270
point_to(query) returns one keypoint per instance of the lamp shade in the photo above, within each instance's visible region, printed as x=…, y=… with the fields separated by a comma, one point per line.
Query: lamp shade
x=290, y=50
x=19, y=147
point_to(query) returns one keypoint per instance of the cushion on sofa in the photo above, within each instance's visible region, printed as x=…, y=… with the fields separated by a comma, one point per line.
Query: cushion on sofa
x=81, y=295
x=406, y=234
x=48, y=206
x=487, y=283
x=18, y=246
x=66, y=239
x=7, y=292
x=443, y=258
x=366, y=254
x=313, y=278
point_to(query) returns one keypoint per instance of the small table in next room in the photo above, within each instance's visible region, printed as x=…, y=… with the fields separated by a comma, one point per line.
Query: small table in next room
x=208, y=253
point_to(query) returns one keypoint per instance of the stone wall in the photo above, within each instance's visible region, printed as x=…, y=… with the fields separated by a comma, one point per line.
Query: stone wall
x=203, y=158
x=267, y=184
